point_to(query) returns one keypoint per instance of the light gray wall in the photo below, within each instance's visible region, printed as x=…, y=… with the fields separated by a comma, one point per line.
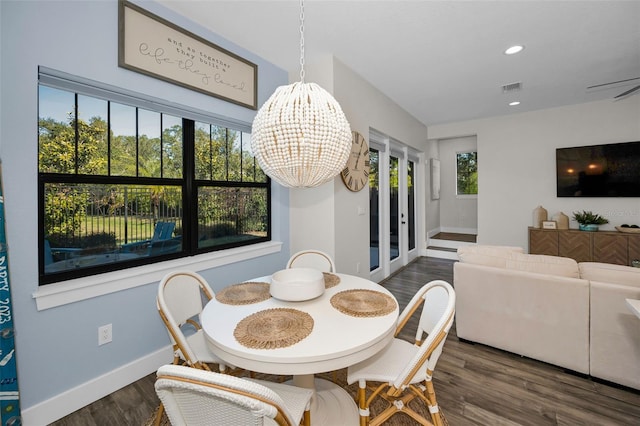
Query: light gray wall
x=327, y=217
x=57, y=348
x=367, y=108
x=457, y=213
x=516, y=164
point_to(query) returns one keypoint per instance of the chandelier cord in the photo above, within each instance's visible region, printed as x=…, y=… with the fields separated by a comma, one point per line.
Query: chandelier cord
x=302, y=41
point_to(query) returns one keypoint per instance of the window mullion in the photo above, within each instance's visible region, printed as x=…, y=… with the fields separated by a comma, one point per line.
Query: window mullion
x=108, y=138
x=137, y=142
x=162, y=149
x=211, y=156
x=226, y=153
x=190, y=189
x=77, y=134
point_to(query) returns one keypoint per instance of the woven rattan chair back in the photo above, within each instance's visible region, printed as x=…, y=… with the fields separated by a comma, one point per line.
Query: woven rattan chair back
x=315, y=259
x=438, y=301
x=181, y=297
x=201, y=398
x=404, y=370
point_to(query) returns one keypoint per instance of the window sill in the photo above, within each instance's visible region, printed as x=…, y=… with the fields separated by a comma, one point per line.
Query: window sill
x=59, y=294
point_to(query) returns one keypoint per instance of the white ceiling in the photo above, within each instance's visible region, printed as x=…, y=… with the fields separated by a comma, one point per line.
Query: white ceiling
x=443, y=61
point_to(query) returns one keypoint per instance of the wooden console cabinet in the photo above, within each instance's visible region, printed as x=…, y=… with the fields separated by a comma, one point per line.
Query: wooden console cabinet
x=600, y=246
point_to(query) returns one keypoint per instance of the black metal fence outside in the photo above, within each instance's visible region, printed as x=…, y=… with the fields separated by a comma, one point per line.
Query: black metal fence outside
x=108, y=216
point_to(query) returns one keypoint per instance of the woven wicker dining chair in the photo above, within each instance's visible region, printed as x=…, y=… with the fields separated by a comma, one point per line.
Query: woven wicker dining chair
x=315, y=259
x=181, y=297
x=404, y=369
x=194, y=397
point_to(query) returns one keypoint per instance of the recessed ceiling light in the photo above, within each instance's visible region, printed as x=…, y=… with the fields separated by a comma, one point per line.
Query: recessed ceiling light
x=513, y=50
x=514, y=103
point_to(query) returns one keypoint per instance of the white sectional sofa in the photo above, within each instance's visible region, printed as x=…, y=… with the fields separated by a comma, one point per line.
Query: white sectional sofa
x=551, y=309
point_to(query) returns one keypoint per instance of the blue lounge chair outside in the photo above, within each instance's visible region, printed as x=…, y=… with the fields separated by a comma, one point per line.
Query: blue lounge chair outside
x=60, y=252
x=170, y=245
x=162, y=231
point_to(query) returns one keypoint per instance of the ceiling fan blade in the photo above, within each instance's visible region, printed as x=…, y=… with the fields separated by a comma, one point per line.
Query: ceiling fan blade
x=613, y=82
x=628, y=92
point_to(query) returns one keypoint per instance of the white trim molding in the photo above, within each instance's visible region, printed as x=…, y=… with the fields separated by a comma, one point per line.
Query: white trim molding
x=52, y=295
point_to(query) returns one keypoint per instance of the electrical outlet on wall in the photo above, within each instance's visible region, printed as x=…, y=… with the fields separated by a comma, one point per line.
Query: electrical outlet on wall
x=104, y=334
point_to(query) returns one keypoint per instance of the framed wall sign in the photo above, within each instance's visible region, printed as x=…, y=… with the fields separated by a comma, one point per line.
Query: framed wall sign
x=154, y=46
x=549, y=224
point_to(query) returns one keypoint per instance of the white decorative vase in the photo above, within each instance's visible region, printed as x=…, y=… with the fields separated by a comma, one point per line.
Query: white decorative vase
x=539, y=216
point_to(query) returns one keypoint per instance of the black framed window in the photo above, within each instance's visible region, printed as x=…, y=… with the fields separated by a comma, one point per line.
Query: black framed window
x=122, y=184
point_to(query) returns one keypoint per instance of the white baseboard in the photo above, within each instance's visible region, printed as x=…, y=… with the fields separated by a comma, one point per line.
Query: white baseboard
x=67, y=402
x=439, y=254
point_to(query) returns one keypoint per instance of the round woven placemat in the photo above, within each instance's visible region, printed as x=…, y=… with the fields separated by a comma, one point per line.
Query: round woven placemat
x=363, y=303
x=273, y=328
x=244, y=293
x=330, y=280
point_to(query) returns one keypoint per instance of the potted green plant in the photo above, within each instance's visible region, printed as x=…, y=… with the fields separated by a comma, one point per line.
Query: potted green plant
x=588, y=221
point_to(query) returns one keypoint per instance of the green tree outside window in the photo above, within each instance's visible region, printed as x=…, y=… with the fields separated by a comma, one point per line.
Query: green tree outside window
x=467, y=173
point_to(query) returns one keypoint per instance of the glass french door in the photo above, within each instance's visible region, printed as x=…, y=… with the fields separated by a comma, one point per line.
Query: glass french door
x=411, y=206
x=394, y=209
x=392, y=197
x=374, y=209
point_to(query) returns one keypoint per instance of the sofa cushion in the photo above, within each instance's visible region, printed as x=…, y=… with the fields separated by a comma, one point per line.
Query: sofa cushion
x=543, y=264
x=495, y=256
x=610, y=273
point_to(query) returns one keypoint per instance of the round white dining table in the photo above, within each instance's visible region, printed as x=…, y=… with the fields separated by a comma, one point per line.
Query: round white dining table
x=336, y=341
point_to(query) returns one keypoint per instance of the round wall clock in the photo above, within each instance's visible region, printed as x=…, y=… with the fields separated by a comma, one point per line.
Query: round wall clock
x=355, y=174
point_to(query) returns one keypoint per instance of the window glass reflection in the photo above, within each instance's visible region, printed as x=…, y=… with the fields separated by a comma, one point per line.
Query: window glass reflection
x=172, y=147
x=374, y=210
x=148, y=143
x=93, y=150
x=123, y=140
x=231, y=215
x=89, y=225
x=56, y=131
x=394, y=209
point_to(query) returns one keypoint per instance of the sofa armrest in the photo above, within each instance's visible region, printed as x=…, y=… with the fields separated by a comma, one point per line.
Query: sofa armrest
x=610, y=273
x=615, y=334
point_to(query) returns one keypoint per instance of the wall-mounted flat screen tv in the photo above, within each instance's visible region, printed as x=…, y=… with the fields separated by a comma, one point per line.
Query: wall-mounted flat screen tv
x=611, y=170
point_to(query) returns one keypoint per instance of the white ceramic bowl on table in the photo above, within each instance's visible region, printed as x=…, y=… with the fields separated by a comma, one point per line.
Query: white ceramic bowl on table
x=297, y=284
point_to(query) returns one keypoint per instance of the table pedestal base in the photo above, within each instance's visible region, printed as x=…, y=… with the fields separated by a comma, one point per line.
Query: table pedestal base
x=331, y=405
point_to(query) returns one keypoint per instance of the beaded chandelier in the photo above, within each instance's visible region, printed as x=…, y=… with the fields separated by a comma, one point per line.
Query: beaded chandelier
x=300, y=136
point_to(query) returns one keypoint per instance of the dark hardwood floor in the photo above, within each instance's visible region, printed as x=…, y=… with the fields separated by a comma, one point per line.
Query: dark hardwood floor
x=454, y=236
x=475, y=384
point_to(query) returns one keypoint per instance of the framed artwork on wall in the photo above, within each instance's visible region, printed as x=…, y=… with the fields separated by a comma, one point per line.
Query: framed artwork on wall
x=156, y=47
